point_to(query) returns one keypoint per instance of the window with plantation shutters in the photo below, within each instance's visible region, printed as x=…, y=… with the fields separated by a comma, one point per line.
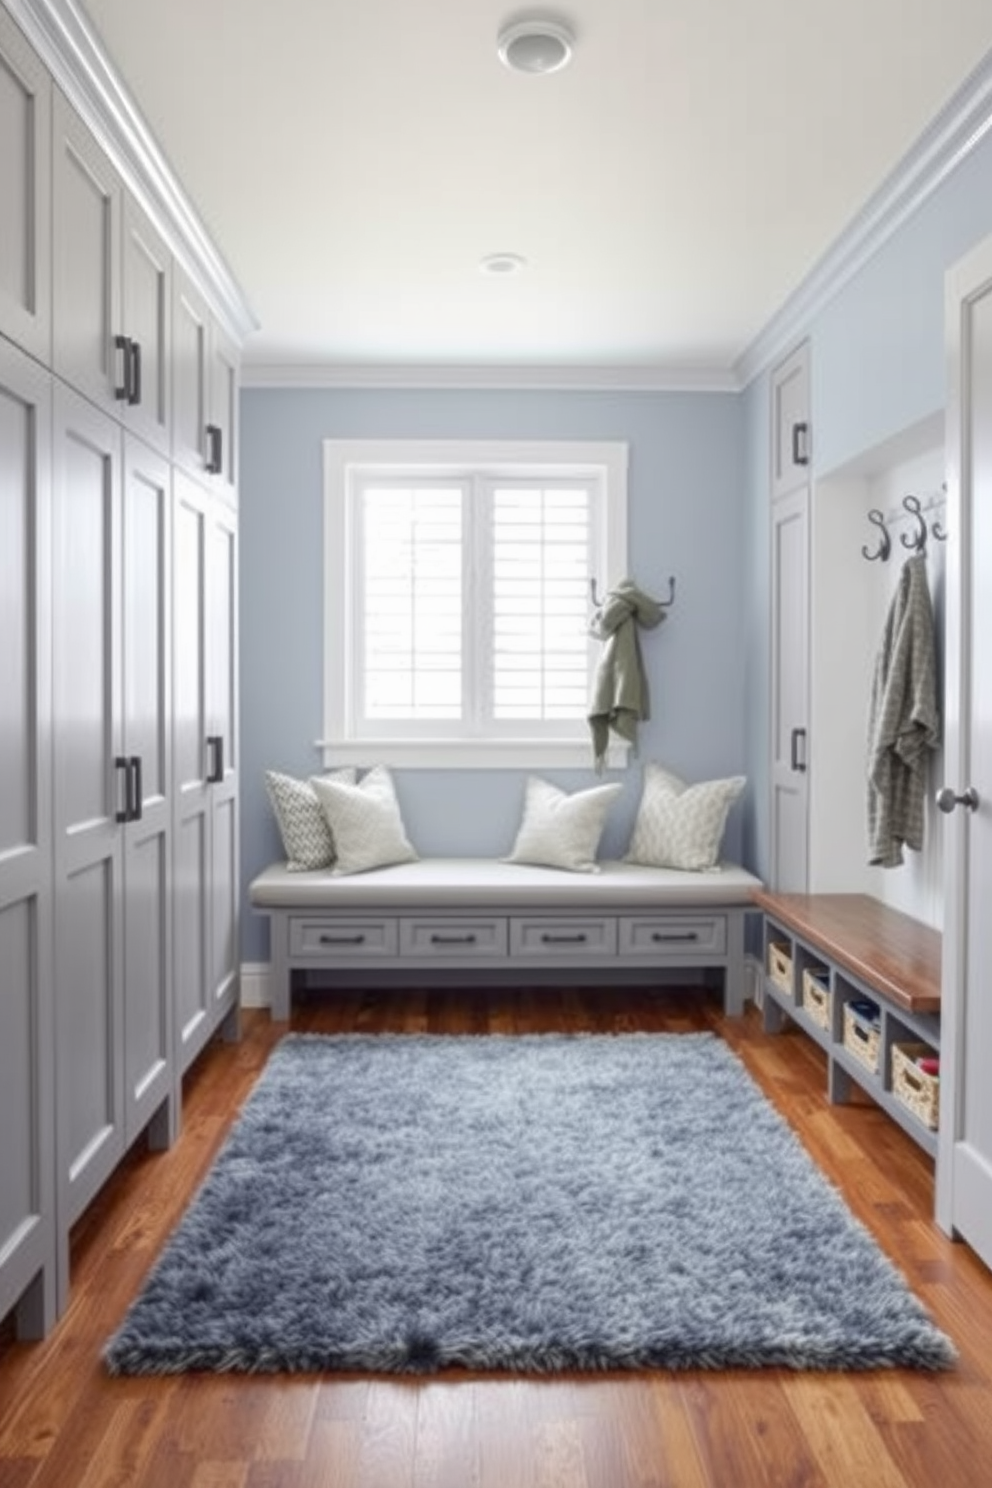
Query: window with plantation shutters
x=457, y=598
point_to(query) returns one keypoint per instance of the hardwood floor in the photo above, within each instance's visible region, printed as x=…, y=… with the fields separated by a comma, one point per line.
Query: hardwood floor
x=65, y=1424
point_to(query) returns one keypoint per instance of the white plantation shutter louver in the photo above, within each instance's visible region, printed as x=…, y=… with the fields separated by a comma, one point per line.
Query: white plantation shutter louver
x=411, y=602
x=541, y=558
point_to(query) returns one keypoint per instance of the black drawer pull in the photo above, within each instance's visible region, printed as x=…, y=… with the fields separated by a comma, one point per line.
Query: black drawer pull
x=215, y=449
x=548, y=939
x=122, y=389
x=342, y=939
x=134, y=373
x=680, y=935
x=453, y=940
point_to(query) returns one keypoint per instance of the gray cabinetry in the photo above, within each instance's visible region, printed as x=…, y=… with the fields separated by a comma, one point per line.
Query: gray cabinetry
x=86, y=236
x=112, y=807
x=27, y=1090
x=112, y=316
x=25, y=194
x=206, y=766
x=205, y=392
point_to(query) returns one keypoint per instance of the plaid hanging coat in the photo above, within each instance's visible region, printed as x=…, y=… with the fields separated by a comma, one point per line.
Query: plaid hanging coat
x=904, y=723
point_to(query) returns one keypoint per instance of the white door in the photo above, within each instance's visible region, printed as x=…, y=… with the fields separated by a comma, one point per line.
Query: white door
x=26, y=193
x=789, y=815
x=964, y=1190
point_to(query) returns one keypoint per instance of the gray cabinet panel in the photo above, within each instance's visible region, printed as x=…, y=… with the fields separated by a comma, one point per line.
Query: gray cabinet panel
x=88, y=797
x=190, y=386
x=147, y=319
x=27, y=1085
x=147, y=746
x=86, y=237
x=25, y=191
x=192, y=1002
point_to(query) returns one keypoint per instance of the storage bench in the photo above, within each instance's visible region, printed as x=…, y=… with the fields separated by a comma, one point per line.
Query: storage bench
x=863, y=980
x=495, y=919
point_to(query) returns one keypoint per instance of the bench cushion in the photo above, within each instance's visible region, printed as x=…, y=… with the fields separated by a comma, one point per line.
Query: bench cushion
x=488, y=882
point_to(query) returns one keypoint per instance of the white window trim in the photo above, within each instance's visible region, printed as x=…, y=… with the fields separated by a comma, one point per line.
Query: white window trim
x=441, y=458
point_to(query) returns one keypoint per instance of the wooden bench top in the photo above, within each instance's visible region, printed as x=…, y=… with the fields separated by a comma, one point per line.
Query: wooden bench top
x=889, y=950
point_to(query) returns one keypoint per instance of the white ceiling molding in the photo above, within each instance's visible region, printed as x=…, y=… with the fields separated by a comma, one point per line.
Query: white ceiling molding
x=945, y=143
x=494, y=378
x=70, y=49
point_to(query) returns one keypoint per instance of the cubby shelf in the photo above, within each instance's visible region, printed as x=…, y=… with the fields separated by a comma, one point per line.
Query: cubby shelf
x=899, y=1022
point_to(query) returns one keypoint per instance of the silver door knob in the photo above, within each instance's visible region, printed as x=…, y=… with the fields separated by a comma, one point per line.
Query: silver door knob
x=947, y=800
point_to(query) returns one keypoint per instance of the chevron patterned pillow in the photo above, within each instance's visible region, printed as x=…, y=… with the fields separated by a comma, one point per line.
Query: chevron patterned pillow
x=306, y=836
x=679, y=825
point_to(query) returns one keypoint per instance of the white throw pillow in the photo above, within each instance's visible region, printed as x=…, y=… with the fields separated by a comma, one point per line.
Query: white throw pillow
x=365, y=821
x=306, y=837
x=679, y=825
x=559, y=830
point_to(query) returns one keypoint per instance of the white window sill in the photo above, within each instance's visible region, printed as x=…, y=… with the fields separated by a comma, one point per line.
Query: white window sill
x=513, y=754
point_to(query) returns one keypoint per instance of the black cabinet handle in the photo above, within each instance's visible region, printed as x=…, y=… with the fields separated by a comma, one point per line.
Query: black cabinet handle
x=342, y=939
x=215, y=773
x=134, y=373
x=123, y=813
x=800, y=444
x=135, y=806
x=453, y=940
x=679, y=935
x=797, y=762
x=215, y=449
x=122, y=392
x=548, y=939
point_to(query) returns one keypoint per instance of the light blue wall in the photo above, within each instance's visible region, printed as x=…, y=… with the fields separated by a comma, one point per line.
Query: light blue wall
x=877, y=368
x=687, y=518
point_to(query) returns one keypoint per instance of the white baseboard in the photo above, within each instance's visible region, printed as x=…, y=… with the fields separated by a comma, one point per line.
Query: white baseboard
x=256, y=984
x=754, y=981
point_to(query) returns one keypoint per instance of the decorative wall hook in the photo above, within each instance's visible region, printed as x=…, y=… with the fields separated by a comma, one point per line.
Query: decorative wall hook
x=884, y=541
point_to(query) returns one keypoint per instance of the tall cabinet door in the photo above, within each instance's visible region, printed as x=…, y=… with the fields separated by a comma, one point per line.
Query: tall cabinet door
x=27, y=1084
x=190, y=375
x=222, y=713
x=790, y=418
x=964, y=1170
x=789, y=676
x=147, y=318
x=25, y=191
x=147, y=747
x=192, y=847
x=86, y=244
x=89, y=801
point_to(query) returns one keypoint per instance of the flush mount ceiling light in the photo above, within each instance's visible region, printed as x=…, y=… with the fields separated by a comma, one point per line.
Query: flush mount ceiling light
x=502, y=264
x=535, y=46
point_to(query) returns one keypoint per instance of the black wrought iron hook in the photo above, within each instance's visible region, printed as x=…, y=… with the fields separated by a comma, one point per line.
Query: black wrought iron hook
x=916, y=541
x=877, y=519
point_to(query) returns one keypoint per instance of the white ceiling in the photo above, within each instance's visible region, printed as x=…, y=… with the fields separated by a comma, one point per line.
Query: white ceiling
x=355, y=159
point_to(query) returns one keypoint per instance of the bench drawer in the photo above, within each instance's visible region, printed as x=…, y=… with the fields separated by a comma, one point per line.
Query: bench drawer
x=670, y=938
x=434, y=935
x=551, y=936
x=329, y=939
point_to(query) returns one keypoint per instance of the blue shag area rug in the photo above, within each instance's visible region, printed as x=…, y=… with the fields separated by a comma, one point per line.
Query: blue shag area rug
x=539, y=1203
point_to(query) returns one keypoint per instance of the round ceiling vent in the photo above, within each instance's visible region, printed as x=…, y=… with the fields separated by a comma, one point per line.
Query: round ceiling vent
x=535, y=46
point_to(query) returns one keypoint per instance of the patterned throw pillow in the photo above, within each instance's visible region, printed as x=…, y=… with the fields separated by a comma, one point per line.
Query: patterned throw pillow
x=679, y=825
x=365, y=821
x=559, y=830
x=306, y=837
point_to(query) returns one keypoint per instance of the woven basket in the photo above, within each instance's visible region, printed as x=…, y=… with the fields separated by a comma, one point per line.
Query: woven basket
x=780, y=965
x=918, y=1091
x=861, y=1038
x=817, y=996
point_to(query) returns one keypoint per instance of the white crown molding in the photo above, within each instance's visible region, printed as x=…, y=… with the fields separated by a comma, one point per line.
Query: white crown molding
x=67, y=44
x=946, y=142
x=492, y=378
